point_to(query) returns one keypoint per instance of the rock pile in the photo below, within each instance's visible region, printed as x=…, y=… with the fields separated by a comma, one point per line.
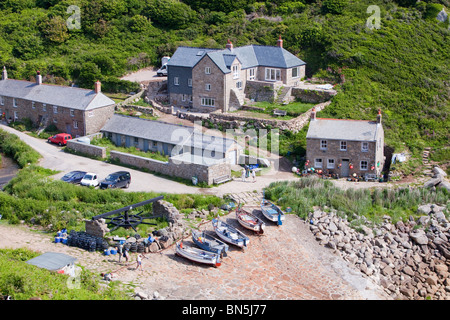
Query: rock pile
x=438, y=179
x=409, y=260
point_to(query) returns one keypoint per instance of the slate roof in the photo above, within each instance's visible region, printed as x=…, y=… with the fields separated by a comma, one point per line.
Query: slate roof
x=52, y=261
x=250, y=56
x=336, y=129
x=64, y=96
x=164, y=132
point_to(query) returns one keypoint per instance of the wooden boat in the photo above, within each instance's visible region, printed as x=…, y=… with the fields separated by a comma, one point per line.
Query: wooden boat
x=209, y=243
x=249, y=220
x=272, y=212
x=230, y=234
x=197, y=255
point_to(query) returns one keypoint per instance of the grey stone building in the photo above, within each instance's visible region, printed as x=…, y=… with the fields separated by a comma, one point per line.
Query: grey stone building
x=345, y=147
x=216, y=79
x=76, y=111
x=170, y=139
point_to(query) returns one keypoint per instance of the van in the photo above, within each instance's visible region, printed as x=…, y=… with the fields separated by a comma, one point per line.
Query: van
x=162, y=72
x=60, y=139
x=120, y=179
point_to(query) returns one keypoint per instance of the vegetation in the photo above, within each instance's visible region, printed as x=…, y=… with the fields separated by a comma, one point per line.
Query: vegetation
x=306, y=193
x=23, y=281
x=12, y=146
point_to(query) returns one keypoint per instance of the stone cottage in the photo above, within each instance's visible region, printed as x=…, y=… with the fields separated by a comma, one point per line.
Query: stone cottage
x=170, y=139
x=207, y=80
x=76, y=111
x=345, y=147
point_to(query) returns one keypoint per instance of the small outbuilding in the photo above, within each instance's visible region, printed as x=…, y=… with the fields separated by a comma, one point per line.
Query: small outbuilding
x=53, y=261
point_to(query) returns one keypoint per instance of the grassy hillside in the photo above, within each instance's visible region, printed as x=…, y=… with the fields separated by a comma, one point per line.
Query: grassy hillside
x=402, y=67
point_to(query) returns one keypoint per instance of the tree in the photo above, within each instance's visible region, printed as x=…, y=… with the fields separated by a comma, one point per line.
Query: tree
x=334, y=6
x=170, y=13
x=55, y=29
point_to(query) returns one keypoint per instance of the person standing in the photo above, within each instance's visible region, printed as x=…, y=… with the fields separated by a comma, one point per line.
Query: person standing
x=139, y=262
x=243, y=175
x=254, y=175
x=120, y=250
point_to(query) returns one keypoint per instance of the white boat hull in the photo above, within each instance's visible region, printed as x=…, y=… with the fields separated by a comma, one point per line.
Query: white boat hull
x=197, y=255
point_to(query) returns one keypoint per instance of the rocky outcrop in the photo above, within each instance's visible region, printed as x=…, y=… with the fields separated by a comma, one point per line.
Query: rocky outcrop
x=438, y=179
x=410, y=260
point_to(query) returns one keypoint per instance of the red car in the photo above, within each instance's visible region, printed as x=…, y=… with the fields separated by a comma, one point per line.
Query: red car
x=60, y=139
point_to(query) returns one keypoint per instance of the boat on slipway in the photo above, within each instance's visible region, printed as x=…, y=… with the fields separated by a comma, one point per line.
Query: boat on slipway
x=249, y=220
x=272, y=212
x=209, y=243
x=230, y=234
x=197, y=255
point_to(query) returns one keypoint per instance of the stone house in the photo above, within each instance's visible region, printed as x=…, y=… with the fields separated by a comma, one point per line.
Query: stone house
x=76, y=111
x=207, y=80
x=170, y=139
x=345, y=147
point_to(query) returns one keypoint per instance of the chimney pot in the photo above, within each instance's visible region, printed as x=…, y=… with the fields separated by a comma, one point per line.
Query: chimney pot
x=229, y=45
x=4, y=73
x=280, y=42
x=313, y=114
x=379, y=116
x=98, y=87
x=38, y=78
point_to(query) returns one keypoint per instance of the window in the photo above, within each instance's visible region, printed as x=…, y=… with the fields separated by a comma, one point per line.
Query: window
x=239, y=84
x=72, y=113
x=364, y=146
x=295, y=72
x=183, y=97
x=75, y=124
x=273, y=74
x=33, y=104
x=208, y=87
x=363, y=165
x=2, y=100
x=55, y=109
x=318, y=163
x=176, y=81
x=252, y=74
x=44, y=107
x=330, y=164
x=323, y=144
x=343, y=145
x=207, y=70
x=235, y=72
x=90, y=113
x=55, y=120
x=208, y=102
x=14, y=103
x=136, y=141
x=16, y=115
x=154, y=144
x=189, y=82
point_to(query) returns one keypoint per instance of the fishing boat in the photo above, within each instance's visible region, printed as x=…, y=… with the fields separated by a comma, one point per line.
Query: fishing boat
x=230, y=234
x=249, y=221
x=209, y=243
x=197, y=255
x=272, y=212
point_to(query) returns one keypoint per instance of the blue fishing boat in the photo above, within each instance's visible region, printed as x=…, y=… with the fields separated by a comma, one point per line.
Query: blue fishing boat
x=272, y=212
x=230, y=234
x=209, y=243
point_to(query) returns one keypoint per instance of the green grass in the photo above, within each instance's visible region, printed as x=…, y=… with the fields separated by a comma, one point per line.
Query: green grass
x=23, y=281
x=306, y=193
x=293, y=109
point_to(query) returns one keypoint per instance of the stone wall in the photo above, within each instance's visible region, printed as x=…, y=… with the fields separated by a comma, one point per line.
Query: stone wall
x=87, y=149
x=312, y=96
x=175, y=168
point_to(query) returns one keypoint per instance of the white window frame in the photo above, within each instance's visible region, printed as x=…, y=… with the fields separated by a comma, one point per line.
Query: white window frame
x=235, y=71
x=55, y=120
x=183, y=97
x=2, y=100
x=16, y=116
x=55, y=109
x=72, y=113
x=239, y=85
x=318, y=163
x=273, y=74
x=176, y=81
x=323, y=144
x=207, y=70
x=364, y=147
x=252, y=74
x=75, y=124
x=33, y=105
x=208, y=86
x=364, y=165
x=208, y=102
x=44, y=107
x=343, y=146
x=330, y=163
x=14, y=103
x=190, y=82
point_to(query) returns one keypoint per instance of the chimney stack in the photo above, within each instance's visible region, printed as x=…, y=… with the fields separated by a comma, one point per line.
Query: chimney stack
x=229, y=45
x=4, y=73
x=379, y=116
x=280, y=42
x=98, y=87
x=38, y=78
x=313, y=114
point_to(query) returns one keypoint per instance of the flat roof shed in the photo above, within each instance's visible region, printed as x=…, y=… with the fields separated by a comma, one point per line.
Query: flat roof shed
x=53, y=261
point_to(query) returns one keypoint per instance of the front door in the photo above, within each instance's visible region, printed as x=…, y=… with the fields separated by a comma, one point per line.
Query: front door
x=345, y=170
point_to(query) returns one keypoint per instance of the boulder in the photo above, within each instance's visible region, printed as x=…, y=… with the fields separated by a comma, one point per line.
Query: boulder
x=444, y=184
x=433, y=182
x=419, y=237
x=424, y=209
x=437, y=170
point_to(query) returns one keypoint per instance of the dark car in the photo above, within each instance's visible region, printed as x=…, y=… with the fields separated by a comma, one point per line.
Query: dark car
x=120, y=179
x=73, y=176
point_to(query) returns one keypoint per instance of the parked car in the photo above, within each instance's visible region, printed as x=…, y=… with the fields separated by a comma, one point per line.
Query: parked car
x=119, y=179
x=60, y=139
x=74, y=176
x=89, y=179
